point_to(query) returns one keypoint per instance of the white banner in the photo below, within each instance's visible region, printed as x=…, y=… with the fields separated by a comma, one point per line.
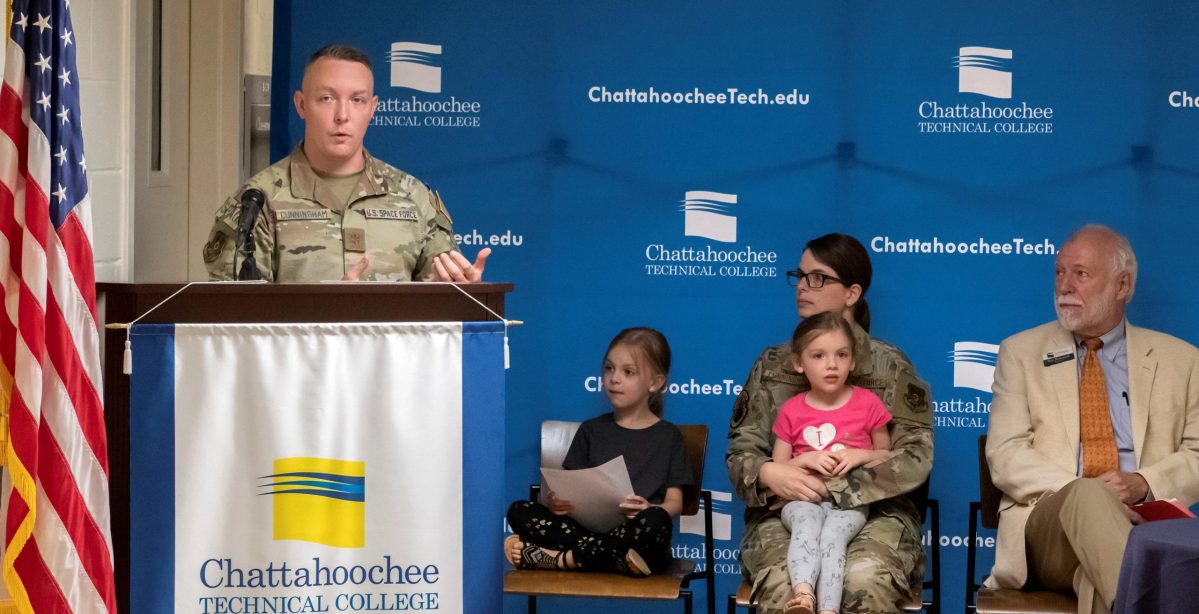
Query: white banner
x=315, y=467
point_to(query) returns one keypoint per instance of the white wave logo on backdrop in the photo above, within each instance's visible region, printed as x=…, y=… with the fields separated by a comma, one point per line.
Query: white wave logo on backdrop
x=974, y=364
x=985, y=70
x=707, y=214
x=413, y=65
x=722, y=520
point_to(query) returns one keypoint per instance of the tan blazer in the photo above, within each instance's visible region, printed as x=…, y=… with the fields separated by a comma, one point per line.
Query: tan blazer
x=1033, y=437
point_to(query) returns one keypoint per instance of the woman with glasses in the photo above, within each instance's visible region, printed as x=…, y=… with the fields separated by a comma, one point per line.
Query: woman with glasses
x=886, y=558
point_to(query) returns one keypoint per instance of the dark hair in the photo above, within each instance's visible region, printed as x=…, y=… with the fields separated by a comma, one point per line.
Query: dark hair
x=655, y=350
x=818, y=324
x=339, y=52
x=850, y=261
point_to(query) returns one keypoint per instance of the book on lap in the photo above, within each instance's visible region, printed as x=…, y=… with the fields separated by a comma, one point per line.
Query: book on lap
x=1162, y=509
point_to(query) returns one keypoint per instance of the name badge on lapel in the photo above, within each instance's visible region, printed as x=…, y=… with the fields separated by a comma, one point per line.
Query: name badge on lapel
x=1059, y=355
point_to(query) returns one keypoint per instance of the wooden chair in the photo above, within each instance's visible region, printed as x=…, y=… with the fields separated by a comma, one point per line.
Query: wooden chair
x=916, y=601
x=671, y=585
x=1001, y=600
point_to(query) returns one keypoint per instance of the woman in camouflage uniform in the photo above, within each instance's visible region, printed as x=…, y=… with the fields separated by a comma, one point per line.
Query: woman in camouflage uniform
x=886, y=558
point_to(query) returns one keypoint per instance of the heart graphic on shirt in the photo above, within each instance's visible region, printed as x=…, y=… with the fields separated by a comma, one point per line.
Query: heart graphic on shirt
x=819, y=437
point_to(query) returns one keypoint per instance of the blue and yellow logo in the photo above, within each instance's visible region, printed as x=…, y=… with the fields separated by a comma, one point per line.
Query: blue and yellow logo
x=319, y=500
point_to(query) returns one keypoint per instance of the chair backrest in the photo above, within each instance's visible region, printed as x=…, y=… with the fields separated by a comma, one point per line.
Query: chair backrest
x=695, y=440
x=988, y=494
x=556, y=436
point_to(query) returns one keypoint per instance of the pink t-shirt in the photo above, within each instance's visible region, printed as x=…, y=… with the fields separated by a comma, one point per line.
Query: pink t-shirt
x=848, y=426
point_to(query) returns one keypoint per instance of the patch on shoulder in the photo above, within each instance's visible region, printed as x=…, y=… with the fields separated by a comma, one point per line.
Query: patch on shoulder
x=212, y=249
x=916, y=398
x=739, y=412
x=440, y=205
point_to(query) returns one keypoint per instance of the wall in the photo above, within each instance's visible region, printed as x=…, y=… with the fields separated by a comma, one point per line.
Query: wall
x=105, y=58
x=583, y=194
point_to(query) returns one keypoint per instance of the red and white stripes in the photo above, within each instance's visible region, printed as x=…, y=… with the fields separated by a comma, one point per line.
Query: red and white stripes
x=59, y=551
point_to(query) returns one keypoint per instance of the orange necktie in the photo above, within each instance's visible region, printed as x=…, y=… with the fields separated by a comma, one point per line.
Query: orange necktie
x=1099, y=453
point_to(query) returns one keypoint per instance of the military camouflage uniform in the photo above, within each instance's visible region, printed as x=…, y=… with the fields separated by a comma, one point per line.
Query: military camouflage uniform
x=304, y=235
x=886, y=558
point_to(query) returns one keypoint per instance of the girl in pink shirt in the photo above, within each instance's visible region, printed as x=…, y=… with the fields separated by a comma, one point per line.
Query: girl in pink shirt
x=828, y=430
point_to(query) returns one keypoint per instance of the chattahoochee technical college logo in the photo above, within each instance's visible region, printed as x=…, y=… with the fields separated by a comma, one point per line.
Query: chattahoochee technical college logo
x=985, y=70
x=974, y=365
x=707, y=214
x=413, y=65
x=318, y=500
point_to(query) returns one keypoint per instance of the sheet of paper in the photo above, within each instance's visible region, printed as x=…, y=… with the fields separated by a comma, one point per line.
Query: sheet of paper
x=594, y=494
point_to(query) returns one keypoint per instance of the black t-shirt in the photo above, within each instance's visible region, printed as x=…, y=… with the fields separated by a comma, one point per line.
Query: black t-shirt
x=655, y=456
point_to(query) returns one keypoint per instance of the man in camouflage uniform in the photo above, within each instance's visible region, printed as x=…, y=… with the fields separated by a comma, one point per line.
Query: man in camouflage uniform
x=886, y=558
x=331, y=210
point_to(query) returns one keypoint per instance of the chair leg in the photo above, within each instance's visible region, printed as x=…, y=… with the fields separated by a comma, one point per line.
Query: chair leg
x=685, y=595
x=975, y=509
x=532, y=604
x=935, y=606
x=709, y=545
x=732, y=604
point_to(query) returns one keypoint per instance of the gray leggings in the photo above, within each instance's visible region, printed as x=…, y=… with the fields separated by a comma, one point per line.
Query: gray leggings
x=819, y=534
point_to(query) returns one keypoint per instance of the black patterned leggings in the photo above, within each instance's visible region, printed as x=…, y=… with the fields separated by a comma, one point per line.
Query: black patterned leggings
x=648, y=533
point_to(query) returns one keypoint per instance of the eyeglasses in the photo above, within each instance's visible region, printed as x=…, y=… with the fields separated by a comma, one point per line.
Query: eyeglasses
x=815, y=280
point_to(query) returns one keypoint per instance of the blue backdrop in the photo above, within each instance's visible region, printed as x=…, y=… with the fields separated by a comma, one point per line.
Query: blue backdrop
x=873, y=128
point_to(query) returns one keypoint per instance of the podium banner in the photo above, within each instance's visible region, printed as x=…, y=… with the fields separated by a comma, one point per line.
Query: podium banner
x=316, y=467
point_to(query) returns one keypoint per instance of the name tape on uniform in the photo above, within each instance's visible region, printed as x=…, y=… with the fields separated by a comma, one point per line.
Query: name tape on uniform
x=284, y=215
x=408, y=214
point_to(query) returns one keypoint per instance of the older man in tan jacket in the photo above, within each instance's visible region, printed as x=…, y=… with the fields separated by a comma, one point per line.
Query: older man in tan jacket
x=1072, y=447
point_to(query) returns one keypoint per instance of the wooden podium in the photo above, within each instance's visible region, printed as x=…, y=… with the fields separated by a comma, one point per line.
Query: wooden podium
x=232, y=302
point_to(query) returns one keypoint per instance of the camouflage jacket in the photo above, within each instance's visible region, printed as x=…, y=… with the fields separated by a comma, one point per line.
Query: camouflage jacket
x=884, y=370
x=304, y=235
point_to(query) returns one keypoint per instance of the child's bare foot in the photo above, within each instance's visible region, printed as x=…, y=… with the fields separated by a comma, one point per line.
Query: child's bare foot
x=512, y=549
x=531, y=556
x=803, y=603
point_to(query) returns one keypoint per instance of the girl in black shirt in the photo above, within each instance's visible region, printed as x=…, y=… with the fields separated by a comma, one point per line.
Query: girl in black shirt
x=634, y=376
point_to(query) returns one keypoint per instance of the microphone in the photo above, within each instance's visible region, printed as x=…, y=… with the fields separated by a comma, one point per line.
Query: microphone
x=251, y=207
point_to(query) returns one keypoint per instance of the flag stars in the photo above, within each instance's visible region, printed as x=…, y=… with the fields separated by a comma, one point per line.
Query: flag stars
x=43, y=23
x=65, y=77
x=43, y=62
x=60, y=193
x=66, y=38
x=22, y=21
x=61, y=155
x=65, y=115
x=83, y=163
x=44, y=101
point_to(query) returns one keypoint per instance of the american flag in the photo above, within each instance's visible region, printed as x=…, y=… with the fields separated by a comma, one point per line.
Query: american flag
x=58, y=549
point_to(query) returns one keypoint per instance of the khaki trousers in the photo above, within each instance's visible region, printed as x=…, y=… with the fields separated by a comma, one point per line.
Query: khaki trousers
x=1075, y=541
